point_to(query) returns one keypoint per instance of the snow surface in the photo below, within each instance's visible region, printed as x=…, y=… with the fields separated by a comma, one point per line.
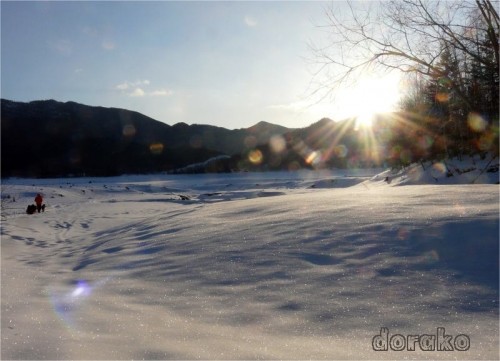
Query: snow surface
x=302, y=265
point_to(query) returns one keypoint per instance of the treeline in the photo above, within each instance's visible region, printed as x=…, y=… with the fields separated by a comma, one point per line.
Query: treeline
x=455, y=105
x=449, y=52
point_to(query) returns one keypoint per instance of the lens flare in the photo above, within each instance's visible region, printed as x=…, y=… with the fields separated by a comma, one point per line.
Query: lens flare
x=442, y=97
x=255, y=156
x=82, y=289
x=439, y=167
x=156, y=148
x=341, y=151
x=476, y=122
x=128, y=130
x=68, y=305
x=486, y=141
x=277, y=144
x=314, y=158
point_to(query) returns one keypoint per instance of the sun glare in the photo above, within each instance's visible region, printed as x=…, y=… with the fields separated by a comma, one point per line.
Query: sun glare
x=368, y=97
x=364, y=120
x=359, y=105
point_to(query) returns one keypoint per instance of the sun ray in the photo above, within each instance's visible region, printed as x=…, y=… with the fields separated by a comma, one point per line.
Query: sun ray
x=343, y=128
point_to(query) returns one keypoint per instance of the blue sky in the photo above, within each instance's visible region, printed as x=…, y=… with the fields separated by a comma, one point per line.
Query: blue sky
x=230, y=64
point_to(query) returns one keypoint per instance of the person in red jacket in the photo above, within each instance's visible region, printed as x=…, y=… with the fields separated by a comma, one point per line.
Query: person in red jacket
x=38, y=201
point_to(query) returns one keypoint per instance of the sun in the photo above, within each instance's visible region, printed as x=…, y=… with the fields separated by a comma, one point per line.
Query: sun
x=369, y=96
x=364, y=120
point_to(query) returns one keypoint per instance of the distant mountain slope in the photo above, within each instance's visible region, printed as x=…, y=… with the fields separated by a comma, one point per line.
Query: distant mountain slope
x=323, y=144
x=50, y=138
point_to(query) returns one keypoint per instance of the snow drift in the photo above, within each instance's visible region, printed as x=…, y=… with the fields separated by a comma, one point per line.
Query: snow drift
x=245, y=266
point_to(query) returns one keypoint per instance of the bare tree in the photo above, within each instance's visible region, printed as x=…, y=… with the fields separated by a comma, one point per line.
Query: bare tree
x=405, y=35
x=451, y=48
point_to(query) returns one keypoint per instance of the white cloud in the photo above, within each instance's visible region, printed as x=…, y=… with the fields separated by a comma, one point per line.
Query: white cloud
x=138, y=92
x=132, y=84
x=139, y=89
x=161, y=92
x=122, y=86
x=139, y=82
x=250, y=21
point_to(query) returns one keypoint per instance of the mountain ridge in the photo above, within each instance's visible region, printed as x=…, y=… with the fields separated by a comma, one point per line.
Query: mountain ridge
x=53, y=138
x=48, y=138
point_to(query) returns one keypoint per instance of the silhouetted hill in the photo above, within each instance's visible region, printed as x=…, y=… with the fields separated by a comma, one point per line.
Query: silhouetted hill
x=51, y=138
x=324, y=144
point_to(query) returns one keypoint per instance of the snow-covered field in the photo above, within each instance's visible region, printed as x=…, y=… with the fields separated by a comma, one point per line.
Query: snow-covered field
x=304, y=265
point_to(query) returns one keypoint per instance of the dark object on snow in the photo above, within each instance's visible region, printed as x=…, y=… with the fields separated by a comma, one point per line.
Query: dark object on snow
x=32, y=209
x=492, y=169
x=38, y=201
x=184, y=198
x=388, y=180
